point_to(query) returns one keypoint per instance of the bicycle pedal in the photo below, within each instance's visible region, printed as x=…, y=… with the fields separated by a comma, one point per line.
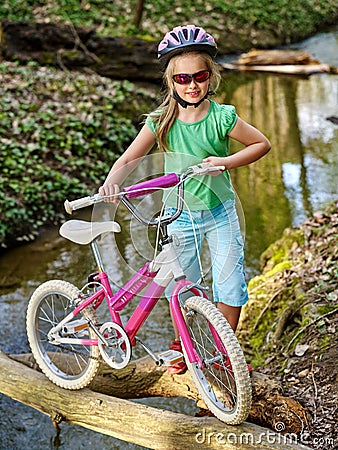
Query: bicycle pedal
x=170, y=357
x=76, y=326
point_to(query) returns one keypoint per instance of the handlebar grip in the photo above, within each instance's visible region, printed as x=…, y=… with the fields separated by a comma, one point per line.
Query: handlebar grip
x=220, y=168
x=149, y=186
x=81, y=203
x=205, y=168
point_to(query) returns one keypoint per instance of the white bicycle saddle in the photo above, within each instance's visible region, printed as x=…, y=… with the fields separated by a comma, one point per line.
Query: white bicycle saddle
x=82, y=232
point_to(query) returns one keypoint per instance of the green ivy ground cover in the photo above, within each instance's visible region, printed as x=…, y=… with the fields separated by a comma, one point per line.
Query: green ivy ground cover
x=59, y=134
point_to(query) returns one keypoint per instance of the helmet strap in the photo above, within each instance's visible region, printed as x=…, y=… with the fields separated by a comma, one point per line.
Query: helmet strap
x=185, y=104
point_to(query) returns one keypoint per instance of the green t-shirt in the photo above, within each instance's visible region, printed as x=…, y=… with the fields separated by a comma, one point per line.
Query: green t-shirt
x=189, y=144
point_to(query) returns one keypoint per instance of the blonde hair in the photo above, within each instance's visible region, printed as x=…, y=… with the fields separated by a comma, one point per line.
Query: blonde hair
x=166, y=113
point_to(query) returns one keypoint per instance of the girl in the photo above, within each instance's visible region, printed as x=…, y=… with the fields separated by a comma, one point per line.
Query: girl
x=191, y=128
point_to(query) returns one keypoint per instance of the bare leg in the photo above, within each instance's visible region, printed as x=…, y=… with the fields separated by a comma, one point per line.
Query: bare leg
x=231, y=313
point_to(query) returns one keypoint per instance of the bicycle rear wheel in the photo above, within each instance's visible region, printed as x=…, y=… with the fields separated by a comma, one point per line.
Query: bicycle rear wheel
x=69, y=366
x=225, y=388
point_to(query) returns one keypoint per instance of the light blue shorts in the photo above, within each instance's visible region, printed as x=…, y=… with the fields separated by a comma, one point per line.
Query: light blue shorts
x=221, y=230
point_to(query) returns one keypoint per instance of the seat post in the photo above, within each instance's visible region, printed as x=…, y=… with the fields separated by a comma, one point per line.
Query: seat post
x=97, y=255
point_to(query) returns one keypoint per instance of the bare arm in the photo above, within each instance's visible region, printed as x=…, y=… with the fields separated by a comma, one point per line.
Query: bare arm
x=256, y=146
x=141, y=145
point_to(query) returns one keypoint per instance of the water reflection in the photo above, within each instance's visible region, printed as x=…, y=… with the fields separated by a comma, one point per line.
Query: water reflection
x=295, y=179
x=298, y=176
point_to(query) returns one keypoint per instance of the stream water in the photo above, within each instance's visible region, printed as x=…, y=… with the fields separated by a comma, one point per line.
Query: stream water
x=298, y=177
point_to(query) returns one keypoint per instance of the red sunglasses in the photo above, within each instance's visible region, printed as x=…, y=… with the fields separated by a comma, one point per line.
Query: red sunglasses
x=186, y=78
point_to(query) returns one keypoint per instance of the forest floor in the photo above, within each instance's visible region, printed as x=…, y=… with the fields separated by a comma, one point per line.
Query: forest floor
x=311, y=379
x=300, y=346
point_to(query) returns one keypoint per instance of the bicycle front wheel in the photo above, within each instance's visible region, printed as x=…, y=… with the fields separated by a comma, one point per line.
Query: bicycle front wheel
x=223, y=381
x=70, y=366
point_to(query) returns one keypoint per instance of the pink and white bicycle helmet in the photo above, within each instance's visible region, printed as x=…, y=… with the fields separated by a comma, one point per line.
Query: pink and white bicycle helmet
x=186, y=38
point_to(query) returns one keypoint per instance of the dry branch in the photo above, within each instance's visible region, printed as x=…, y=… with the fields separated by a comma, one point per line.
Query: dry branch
x=313, y=322
x=267, y=306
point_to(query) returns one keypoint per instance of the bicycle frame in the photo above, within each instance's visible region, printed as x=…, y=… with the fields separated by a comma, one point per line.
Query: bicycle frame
x=155, y=274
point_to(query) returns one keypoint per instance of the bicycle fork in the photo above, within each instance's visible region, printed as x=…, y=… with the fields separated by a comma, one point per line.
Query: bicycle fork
x=180, y=321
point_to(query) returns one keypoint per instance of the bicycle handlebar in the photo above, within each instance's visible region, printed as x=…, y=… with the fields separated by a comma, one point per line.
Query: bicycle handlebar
x=145, y=187
x=134, y=191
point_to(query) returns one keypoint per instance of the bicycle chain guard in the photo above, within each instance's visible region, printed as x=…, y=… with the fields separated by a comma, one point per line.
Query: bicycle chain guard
x=117, y=353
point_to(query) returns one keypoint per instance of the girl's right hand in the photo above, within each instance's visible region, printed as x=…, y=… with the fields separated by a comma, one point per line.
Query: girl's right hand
x=111, y=190
x=215, y=161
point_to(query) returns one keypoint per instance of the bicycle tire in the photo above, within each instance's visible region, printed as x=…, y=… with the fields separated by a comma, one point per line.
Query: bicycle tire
x=227, y=393
x=68, y=366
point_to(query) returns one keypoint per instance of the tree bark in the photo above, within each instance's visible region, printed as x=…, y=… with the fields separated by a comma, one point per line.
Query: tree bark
x=141, y=378
x=138, y=13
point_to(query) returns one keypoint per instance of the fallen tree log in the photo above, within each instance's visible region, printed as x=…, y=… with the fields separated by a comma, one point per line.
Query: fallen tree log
x=141, y=378
x=290, y=62
x=142, y=425
x=70, y=47
x=283, y=69
x=276, y=57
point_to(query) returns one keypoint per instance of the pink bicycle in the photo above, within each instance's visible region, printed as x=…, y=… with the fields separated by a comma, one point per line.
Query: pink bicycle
x=68, y=341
